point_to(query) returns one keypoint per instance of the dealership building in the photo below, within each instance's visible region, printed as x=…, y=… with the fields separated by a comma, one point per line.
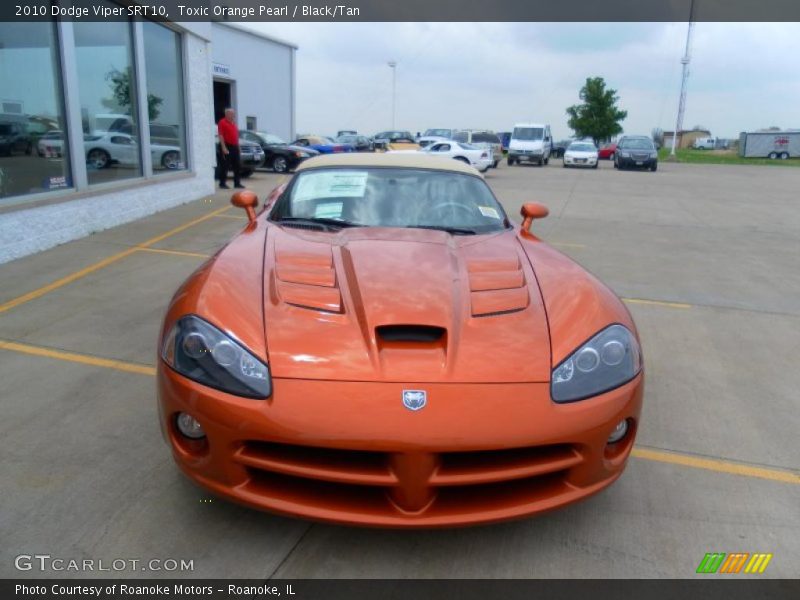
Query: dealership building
x=102, y=123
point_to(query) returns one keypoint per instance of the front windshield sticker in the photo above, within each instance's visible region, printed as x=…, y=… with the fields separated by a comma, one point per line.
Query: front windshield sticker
x=488, y=211
x=328, y=210
x=331, y=184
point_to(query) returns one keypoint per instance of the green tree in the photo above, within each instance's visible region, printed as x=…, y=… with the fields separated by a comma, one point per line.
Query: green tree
x=598, y=117
x=120, y=82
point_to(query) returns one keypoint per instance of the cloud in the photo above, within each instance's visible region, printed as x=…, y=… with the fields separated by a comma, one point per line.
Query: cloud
x=743, y=75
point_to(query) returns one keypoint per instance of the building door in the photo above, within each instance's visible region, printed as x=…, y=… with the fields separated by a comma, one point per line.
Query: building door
x=222, y=98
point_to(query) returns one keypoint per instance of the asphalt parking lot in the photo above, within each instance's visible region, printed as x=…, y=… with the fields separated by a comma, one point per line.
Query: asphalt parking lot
x=706, y=257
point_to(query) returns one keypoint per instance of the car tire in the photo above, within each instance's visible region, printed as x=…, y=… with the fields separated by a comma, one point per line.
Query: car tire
x=784, y=155
x=495, y=163
x=245, y=173
x=772, y=155
x=171, y=160
x=595, y=165
x=654, y=168
x=98, y=158
x=280, y=164
x=510, y=161
x=547, y=160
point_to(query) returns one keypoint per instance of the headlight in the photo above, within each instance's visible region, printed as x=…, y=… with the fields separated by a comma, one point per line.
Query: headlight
x=625, y=154
x=201, y=352
x=302, y=154
x=609, y=359
x=654, y=155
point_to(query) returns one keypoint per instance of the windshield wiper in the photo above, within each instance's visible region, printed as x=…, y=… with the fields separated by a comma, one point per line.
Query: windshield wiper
x=325, y=222
x=451, y=230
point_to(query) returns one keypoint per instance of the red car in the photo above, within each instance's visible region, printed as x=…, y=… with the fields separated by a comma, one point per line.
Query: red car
x=607, y=152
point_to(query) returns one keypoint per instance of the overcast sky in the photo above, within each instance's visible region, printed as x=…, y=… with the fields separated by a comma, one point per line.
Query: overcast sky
x=743, y=75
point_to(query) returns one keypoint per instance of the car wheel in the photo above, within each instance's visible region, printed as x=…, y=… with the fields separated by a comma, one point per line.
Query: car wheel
x=654, y=168
x=462, y=159
x=98, y=158
x=279, y=164
x=784, y=155
x=547, y=160
x=510, y=161
x=244, y=174
x=773, y=155
x=171, y=160
x=595, y=165
x=495, y=163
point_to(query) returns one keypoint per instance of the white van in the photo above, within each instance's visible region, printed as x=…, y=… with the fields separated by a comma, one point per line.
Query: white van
x=706, y=143
x=531, y=142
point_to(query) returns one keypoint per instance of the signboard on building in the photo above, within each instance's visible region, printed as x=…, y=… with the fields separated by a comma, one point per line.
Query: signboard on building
x=220, y=69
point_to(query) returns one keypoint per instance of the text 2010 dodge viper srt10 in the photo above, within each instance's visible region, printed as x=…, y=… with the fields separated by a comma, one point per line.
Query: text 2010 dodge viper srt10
x=381, y=346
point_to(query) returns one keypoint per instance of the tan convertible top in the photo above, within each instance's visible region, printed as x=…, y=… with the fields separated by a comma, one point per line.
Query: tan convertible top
x=410, y=160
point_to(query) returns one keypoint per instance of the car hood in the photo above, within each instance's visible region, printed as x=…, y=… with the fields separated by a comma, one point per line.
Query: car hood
x=407, y=305
x=305, y=149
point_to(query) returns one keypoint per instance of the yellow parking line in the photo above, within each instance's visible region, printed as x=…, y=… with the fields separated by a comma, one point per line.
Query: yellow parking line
x=657, y=303
x=46, y=289
x=715, y=464
x=78, y=358
x=176, y=252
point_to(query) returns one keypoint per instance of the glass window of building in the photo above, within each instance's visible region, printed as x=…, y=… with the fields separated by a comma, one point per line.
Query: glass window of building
x=33, y=149
x=163, y=59
x=107, y=90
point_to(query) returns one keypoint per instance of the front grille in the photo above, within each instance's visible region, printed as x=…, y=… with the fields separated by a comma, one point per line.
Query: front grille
x=640, y=156
x=392, y=483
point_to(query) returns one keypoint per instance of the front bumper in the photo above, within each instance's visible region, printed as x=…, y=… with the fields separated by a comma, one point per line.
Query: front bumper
x=579, y=162
x=636, y=163
x=252, y=160
x=352, y=453
x=526, y=156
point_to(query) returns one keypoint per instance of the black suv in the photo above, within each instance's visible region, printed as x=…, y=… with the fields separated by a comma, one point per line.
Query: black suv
x=636, y=152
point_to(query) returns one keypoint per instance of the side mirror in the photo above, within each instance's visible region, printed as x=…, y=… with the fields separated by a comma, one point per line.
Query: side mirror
x=248, y=201
x=531, y=211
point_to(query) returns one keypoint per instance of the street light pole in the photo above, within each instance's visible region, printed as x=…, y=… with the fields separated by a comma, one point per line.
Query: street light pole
x=393, y=66
x=687, y=57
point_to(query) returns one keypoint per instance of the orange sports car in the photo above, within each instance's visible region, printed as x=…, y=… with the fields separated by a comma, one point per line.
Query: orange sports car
x=382, y=346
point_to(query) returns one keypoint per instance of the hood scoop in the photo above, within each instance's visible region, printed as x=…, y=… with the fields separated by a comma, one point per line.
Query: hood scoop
x=422, y=334
x=497, y=287
x=308, y=280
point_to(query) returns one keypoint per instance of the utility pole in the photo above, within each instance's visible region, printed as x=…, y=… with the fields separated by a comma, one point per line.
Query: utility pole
x=393, y=66
x=687, y=57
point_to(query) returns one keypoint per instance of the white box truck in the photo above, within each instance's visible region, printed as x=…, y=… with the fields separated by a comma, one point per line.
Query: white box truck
x=769, y=144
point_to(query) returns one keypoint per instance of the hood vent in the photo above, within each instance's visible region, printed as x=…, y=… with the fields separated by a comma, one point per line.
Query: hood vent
x=410, y=333
x=497, y=287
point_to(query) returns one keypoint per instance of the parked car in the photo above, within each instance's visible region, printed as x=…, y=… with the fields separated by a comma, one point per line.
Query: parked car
x=607, y=151
x=530, y=142
x=705, y=143
x=382, y=140
x=278, y=155
x=385, y=347
x=559, y=148
x=14, y=138
x=446, y=134
x=480, y=158
x=51, y=144
x=581, y=154
x=346, y=132
x=482, y=138
x=251, y=156
x=159, y=133
x=636, y=152
x=111, y=147
x=361, y=143
x=322, y=144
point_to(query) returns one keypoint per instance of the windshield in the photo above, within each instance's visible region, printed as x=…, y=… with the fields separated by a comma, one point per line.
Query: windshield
x=485, y=138
x=528, y=134
x=393, y=197
x=637, y=144
x=582, y=147
x=437, y=133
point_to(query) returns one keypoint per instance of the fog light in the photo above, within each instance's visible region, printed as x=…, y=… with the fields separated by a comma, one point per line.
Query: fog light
x=619, y=432
x=189, y=426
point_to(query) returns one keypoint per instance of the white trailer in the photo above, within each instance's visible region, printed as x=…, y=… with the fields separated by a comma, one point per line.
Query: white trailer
x=769, y=144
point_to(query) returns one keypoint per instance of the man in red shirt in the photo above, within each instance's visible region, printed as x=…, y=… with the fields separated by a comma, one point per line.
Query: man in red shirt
x=229, y=156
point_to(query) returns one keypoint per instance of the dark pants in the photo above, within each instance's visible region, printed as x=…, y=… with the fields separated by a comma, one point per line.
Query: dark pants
x=230, y=162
